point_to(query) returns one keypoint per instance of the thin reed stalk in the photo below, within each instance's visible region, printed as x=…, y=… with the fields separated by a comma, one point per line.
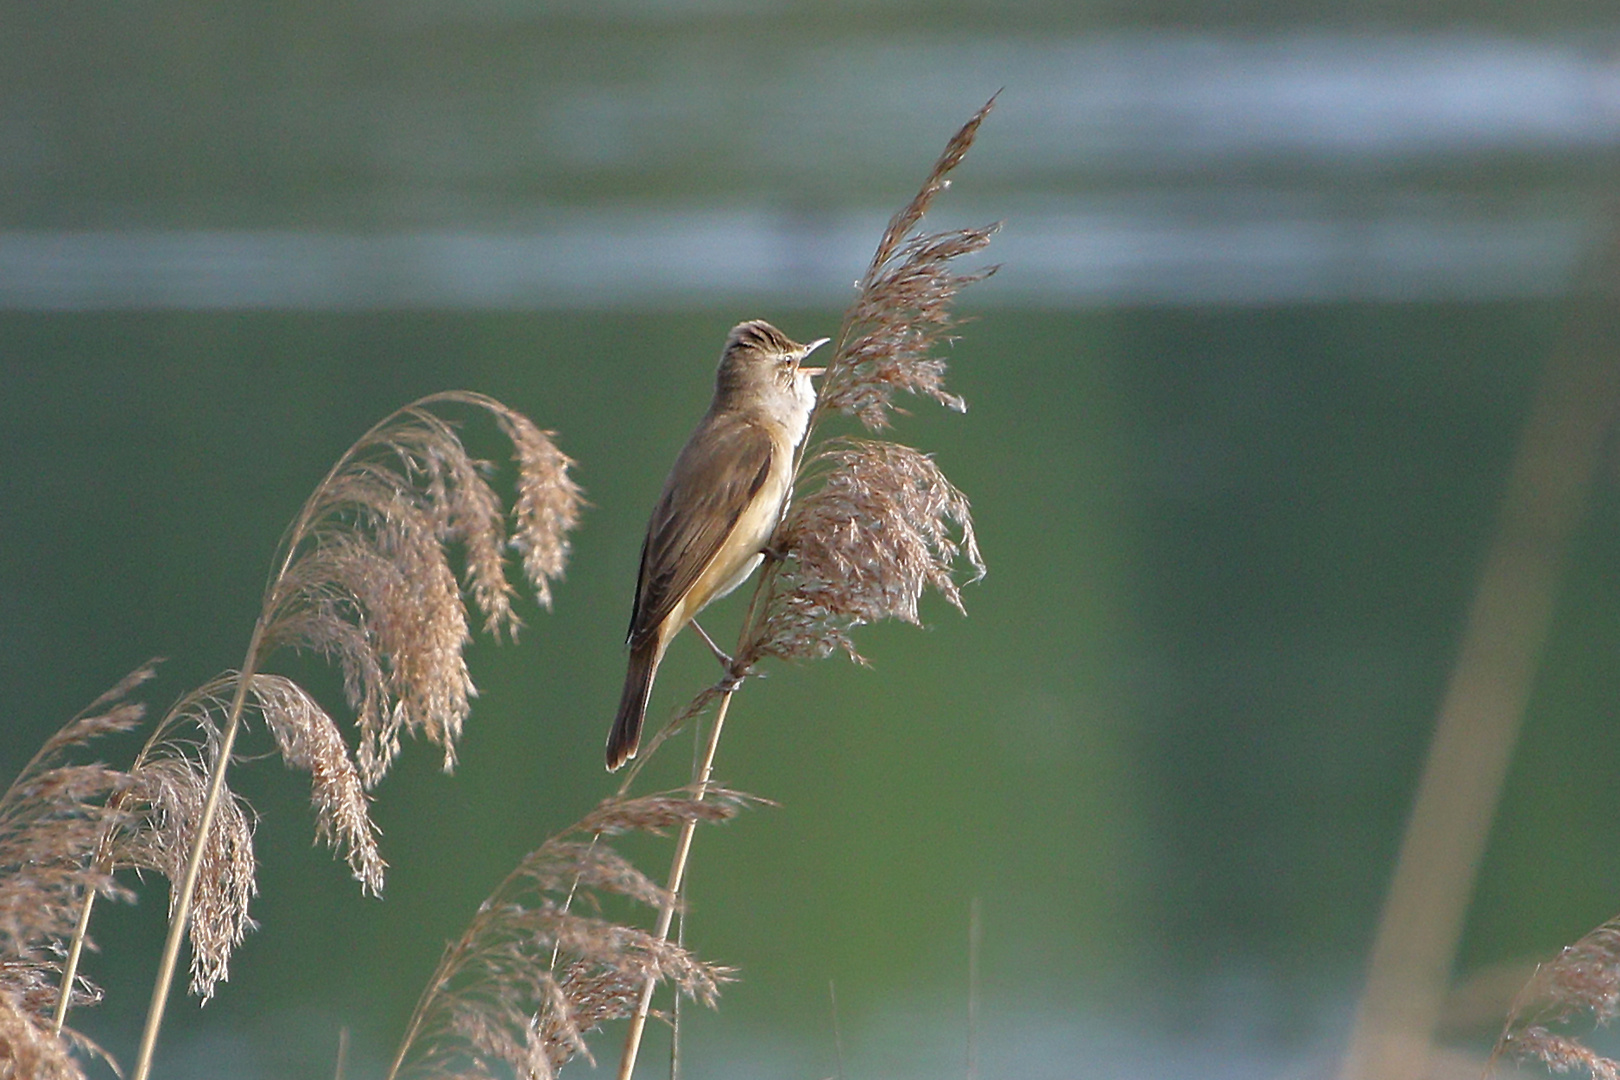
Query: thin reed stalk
x=181, y=913
x=70, y=964
x=677, y=878
x=1559, y=454
x=975, y=939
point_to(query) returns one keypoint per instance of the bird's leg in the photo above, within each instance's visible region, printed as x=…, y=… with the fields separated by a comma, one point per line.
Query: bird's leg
x=719, y=653
x=732, y=679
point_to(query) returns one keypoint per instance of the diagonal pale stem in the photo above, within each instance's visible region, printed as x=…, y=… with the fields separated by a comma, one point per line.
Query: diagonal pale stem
x=1507, y=628
x=677, y=875
x=70, y=967
x=181, y=916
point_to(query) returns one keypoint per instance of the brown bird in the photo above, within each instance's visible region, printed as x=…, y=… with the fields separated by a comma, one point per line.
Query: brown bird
x=720, y=504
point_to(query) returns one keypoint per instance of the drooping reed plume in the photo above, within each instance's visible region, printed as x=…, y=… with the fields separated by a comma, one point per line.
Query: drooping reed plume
x=873, y=524
x=52, y=821
x=1582, y=982
x=532, y=974
x=169, y=785
x=363, y=577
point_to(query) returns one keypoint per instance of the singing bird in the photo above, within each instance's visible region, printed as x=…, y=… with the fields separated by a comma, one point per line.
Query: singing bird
x=720, y=504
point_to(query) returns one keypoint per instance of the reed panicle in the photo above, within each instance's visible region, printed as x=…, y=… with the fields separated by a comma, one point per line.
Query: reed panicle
x=366, y=579
x=531, y=975
x=170, y=785
x=876, y=523
x=309, y=739
x=882, y=525
x=903, y=308
x=53, y=818
x=28, y=1047
x=1583, y=981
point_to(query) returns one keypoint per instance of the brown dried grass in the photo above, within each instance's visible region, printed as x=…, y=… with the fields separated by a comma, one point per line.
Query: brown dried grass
x=882, y=525
x=53, y=818
x=877, y=523
x=363, y=578
x=531, y=975
x=903, y=310
x=366, y=579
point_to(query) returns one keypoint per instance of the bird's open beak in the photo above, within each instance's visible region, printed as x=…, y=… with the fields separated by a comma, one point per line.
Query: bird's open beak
x=808, y=349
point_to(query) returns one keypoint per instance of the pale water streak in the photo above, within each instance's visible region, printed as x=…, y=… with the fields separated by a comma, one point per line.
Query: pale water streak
x=1118, y=252
x=1134, y=167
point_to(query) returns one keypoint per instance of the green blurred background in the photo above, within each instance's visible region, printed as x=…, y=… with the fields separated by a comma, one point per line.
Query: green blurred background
x=1278, y=283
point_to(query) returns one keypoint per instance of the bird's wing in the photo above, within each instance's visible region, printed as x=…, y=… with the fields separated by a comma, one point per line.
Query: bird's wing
x=715, y=478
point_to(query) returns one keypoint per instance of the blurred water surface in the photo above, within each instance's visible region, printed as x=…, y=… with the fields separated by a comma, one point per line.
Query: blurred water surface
x=1274, y=300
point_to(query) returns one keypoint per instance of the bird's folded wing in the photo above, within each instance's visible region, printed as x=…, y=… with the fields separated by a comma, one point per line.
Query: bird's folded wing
x=715, y=478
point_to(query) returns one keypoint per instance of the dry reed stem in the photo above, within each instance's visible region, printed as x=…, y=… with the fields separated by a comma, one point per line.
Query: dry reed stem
x=1558, y=455
x=530, y=976
x=677, y=879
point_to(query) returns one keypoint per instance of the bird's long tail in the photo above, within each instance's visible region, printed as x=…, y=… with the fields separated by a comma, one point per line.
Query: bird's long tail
x=626, y=734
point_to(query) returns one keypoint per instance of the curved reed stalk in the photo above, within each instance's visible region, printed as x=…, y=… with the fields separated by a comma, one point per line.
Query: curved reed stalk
x=362, y=577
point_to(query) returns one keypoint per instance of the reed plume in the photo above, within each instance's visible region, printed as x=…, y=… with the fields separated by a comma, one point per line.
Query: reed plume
x=362, y=578
x=876, y=523
x=1583, y=981
x=366, y=581
x=531, y=975
x=169, y=784
x=53, y=818
x=903, y=308
x=873, y=524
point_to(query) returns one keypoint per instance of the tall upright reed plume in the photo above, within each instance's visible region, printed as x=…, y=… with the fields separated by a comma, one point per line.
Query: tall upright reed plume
x=363, y=578
x=52, y=821
x=873, y=523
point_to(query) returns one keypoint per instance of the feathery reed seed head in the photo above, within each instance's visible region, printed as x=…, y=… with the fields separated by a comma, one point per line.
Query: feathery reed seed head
x=54, y=818
x=309, y=739
x=882, y=526
x=367, y=580
x=1584, y=980
x=903, y=309
x=167, y=798
x=880, y=523
x=531, y=975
